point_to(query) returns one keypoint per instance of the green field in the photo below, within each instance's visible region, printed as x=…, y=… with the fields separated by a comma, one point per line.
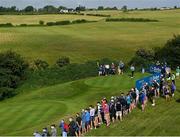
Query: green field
x=33, y=109
x=90, y=41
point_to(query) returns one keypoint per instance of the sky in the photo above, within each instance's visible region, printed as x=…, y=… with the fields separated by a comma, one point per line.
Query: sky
x=91, y=3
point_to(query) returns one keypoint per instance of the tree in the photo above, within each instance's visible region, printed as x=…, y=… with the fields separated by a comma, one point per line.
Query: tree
x=124, y=8
x=100, y=8
x=12, y=71
x=29, y=9
x=50, y=9
x=80, y=8
x=170, y=52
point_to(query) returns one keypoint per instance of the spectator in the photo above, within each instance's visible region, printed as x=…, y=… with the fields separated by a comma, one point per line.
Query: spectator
x=177, y=72
x=53, y=131
x=132, y=68
x=83, y=117
x=112, y=110
x=72, y=127
x=173, y=88
x=106, y=114
x=64, y=128
x=79, y=123
x=92, y=113
x=88, y=120
x=118, y=106
x=45, y=132
x=173, y=77
x=37, y=134
x=121, y=66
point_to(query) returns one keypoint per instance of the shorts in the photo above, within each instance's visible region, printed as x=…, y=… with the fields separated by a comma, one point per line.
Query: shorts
x=118, y=113
x=83, y=125
x=87, y=124
x=92, y=118
x=127, y=106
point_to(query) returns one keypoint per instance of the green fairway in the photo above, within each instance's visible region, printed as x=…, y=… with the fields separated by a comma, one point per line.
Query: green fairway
x=82, y=42
x=33, y=110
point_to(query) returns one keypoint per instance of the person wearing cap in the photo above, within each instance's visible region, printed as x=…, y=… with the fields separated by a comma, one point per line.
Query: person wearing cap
x=112, y=110
x=177, y=72
x=53, y=131
x=45, y=132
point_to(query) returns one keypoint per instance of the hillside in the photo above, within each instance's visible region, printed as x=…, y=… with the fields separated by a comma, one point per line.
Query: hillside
x=90, y=41
x=33, y=110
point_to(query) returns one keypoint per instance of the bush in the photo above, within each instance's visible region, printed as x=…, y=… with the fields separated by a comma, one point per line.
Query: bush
x=63, y=61
x=6, y=93
x=40, y=64
x=130, y=20
x=6, y=25
x=41, y=22
x=12, y=71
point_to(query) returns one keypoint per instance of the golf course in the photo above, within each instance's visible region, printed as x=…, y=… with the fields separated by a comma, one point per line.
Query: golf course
x=37, y=107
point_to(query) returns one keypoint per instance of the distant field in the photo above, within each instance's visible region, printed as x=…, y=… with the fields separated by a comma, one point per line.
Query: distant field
x=82, y=42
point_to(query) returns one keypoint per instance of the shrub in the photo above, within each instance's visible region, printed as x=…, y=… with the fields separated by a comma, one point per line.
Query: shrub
x=6, y=25
x=40, y=64
x=41, y=22
x=63, y=61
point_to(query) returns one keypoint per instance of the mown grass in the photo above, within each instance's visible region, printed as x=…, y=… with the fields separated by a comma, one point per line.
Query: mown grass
x=33, y=110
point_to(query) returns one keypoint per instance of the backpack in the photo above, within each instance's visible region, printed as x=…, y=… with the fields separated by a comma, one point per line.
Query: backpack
x=66, y=127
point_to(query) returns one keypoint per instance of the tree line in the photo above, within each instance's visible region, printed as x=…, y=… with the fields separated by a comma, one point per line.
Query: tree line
x=50, y=9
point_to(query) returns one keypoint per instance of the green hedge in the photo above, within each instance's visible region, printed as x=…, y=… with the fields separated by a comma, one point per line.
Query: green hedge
x=99, y=15
x=130, y=20
x=6, y=25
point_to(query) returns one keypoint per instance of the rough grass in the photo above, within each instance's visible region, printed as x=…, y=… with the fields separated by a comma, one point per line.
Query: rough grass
x=82, y=42
x=33, y=110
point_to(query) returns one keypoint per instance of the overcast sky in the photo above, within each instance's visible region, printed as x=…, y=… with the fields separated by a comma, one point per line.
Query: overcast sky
x=91, y=3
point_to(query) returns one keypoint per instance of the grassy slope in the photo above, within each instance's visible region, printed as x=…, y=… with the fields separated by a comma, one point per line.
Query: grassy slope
x=26, y=112
x=82, y=42
x=30, y=110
